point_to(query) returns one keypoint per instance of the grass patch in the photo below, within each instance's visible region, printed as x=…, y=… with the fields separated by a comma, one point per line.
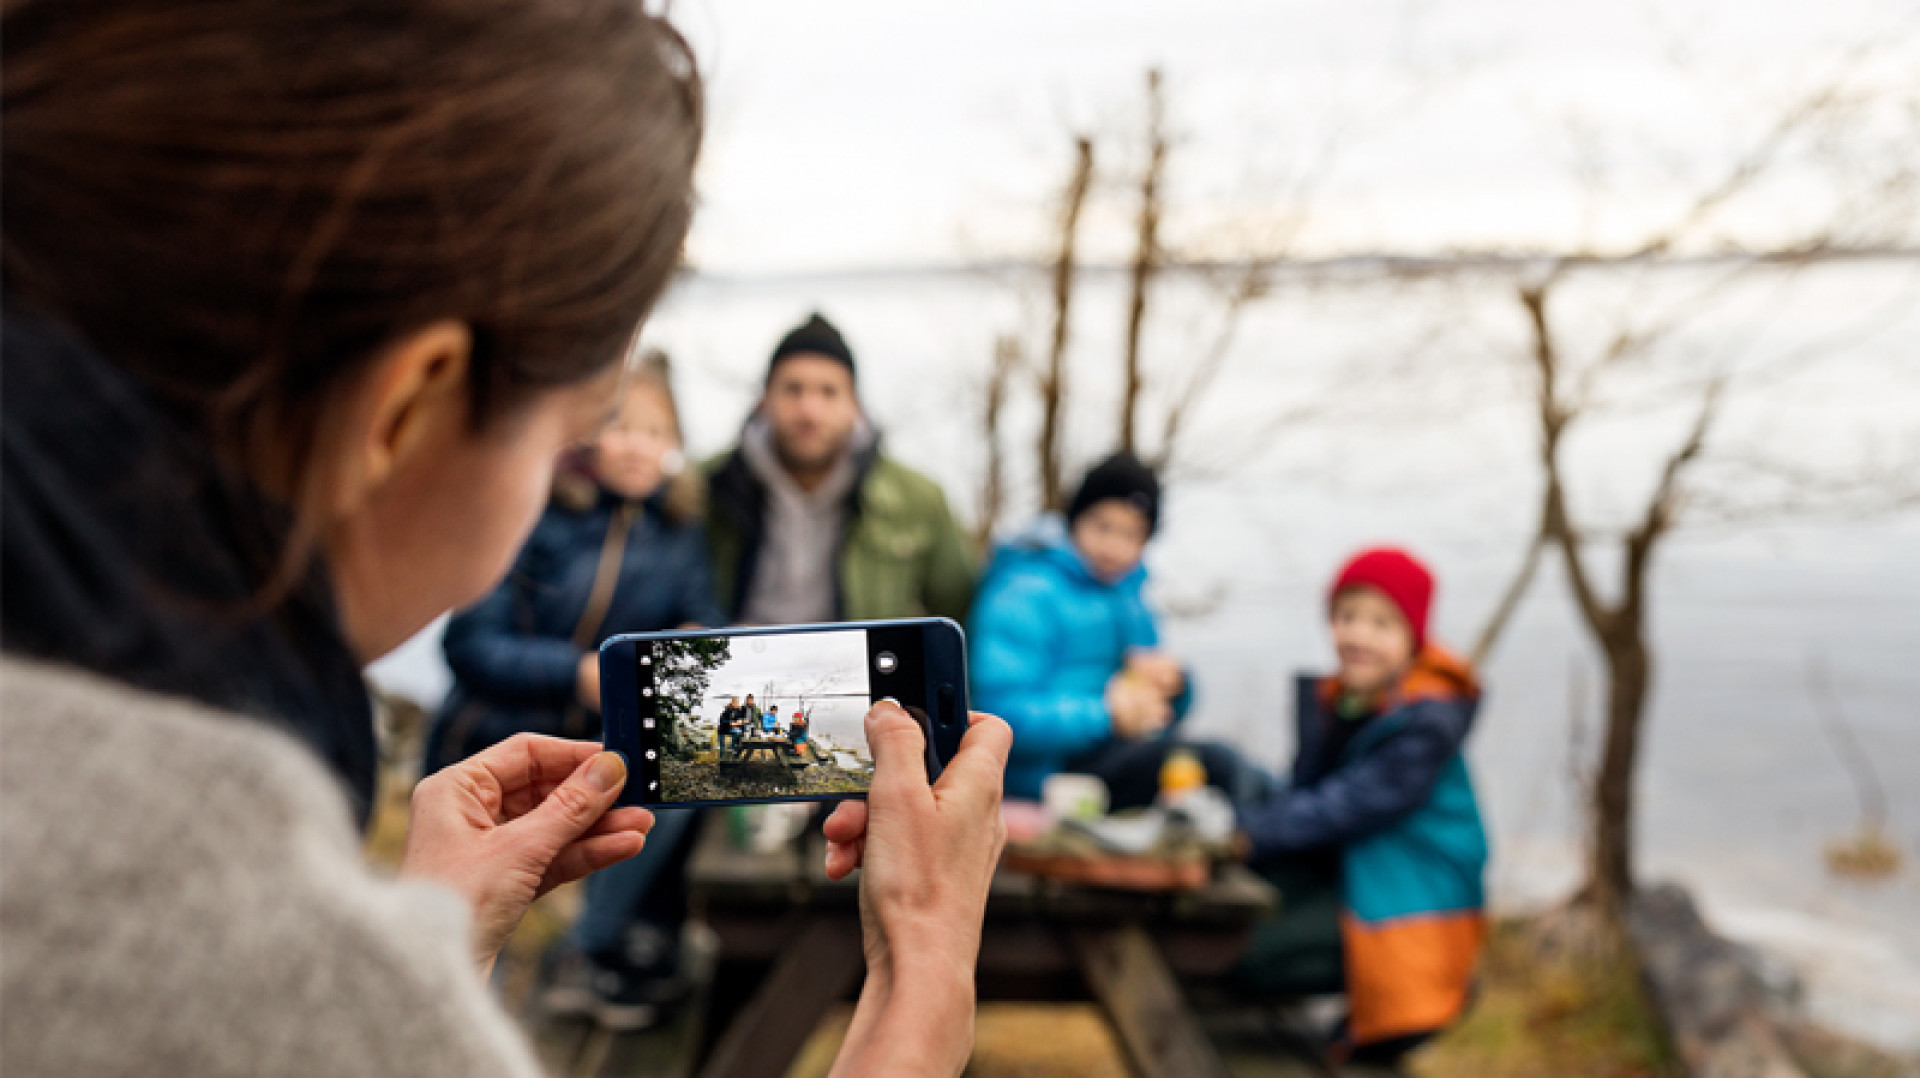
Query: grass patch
x=1572, y=1018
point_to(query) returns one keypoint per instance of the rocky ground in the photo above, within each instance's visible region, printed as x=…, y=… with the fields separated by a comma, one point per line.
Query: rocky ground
x=700, y=780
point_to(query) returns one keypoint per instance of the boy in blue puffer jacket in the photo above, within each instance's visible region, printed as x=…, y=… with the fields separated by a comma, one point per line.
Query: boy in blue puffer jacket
x=1064, y=646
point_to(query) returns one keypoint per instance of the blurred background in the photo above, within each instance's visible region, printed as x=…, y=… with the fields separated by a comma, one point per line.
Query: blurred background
x=1620, y=300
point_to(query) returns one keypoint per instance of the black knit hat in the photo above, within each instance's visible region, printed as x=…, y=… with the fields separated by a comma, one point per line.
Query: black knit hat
x=815, y=336
x=1122, y=477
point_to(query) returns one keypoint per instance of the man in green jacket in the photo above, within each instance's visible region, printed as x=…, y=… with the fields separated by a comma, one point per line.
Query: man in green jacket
x=810, y=522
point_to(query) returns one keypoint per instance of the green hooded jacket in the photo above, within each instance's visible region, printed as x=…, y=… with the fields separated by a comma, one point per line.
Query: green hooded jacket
x=902, y=554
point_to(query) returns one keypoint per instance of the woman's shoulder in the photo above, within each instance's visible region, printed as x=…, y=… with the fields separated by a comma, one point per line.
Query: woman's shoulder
x=100, y=751
x=197, y=875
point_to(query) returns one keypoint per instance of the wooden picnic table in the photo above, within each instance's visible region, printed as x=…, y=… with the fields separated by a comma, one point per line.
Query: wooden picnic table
x=780, y=748
x=788, y=950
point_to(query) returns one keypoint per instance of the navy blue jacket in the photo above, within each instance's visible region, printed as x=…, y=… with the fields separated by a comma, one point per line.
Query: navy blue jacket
x=1397, y=804
x=1384, y=774
x=513, y=657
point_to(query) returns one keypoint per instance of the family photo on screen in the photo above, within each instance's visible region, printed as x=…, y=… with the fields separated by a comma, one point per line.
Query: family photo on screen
x=754, y=716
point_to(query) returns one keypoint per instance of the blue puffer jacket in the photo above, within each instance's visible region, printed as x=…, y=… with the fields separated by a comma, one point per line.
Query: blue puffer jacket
x=513, y=657
x=1044, y=639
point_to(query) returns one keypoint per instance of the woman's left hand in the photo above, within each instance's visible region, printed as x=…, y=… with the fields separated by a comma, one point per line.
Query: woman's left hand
x=510, y=824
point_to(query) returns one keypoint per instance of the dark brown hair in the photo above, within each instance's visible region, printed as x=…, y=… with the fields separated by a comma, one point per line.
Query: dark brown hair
x=241, y=201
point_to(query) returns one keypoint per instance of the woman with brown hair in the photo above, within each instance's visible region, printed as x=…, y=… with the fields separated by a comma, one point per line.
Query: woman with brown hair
x=302, y=302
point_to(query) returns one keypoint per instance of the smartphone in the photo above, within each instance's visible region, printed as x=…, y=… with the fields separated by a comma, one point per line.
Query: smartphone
x=752, y=715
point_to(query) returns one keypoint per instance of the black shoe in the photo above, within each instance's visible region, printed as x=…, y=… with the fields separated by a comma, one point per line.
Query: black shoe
x=625, y=1000
x=633, y=989
x=566, y=983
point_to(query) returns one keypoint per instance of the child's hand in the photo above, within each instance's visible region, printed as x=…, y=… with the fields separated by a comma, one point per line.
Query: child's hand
x=1160, y=670
x=1135, y=707
x=587, y=681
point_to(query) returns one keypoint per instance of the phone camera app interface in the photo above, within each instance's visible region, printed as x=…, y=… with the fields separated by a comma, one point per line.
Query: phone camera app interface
x=754, y=716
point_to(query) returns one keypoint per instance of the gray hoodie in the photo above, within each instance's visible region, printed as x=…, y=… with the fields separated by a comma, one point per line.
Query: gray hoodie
x=794, y=581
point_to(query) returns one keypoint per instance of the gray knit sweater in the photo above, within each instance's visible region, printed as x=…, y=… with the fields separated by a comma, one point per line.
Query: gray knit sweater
x=182, y=892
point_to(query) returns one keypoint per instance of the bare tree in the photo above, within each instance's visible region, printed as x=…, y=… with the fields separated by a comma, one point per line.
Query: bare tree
x=1618, y=626
x=1238, y=261
x=1869, y=852
x=1566, y=391
x=1146, y=258
x=1052, y=380
x=1007, y=362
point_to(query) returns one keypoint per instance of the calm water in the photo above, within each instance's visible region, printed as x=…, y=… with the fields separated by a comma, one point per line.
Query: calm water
x=1358, y=414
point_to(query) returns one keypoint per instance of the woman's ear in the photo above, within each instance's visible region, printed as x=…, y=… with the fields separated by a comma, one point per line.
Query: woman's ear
x=413, y=400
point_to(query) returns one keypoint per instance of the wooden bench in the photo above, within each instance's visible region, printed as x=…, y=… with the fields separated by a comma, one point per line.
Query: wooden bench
x=789, y=950
x=780, y=948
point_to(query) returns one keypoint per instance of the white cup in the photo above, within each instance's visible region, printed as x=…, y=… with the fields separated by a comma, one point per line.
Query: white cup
x=1074, y=797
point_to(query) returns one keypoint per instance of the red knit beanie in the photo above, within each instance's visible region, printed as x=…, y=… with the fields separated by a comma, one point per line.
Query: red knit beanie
x=1397, y=574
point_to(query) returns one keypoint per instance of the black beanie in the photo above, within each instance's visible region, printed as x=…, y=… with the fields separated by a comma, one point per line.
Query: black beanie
x=1123, y=477
x=815, y=336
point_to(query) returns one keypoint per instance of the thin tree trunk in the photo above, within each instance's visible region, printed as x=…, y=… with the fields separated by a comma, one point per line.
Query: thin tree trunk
x=1053, y=378
x=993, y=487
x=1509, y=602
x=1629, y=669
x=1858, y=762
x=1146, y=259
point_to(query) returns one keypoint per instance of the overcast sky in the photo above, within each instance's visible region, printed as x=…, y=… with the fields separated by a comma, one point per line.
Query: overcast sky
x=834, y=662
x=875, y=133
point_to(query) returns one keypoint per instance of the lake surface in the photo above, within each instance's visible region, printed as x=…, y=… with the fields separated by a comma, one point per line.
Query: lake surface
x=1355, y=413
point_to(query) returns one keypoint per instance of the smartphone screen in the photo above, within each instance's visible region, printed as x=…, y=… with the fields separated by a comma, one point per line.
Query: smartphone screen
x=755, y=715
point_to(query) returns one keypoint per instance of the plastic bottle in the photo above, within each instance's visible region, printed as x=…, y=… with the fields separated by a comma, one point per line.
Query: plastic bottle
x=1181, y=774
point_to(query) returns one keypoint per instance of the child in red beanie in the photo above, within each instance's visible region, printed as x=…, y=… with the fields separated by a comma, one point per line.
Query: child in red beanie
x=1376, y=842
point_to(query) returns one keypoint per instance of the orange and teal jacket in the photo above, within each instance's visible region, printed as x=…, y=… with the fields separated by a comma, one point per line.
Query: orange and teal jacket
x=1398, y=804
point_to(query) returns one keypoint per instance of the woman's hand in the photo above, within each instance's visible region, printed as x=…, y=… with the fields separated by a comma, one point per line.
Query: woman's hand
x=510, y=824
x=928, y=854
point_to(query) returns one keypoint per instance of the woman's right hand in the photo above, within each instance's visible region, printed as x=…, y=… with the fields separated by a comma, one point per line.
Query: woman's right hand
x=928, y=854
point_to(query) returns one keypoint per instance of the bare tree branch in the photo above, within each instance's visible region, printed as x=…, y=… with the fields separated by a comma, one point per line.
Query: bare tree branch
x=1007, y=361
x=1555, y=521
x=1859, y=765
x=1510, y=597
x=1207, y=368
x=1663, y=505
x=1053, y=378
x=1146, y=258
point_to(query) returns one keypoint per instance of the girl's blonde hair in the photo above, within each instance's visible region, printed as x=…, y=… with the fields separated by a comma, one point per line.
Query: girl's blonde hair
x=686, y=499
x=685, y=485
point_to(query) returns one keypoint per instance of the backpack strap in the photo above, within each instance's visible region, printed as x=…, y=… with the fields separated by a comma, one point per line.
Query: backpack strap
x=606, y=577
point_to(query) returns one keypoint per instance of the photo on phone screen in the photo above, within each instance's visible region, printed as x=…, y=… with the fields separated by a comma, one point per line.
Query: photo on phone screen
x=744, y=717
x=775, y=714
